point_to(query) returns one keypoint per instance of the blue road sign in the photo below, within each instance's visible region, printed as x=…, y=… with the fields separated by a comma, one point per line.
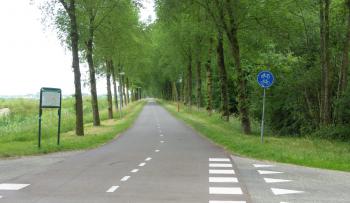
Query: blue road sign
x=265, y=79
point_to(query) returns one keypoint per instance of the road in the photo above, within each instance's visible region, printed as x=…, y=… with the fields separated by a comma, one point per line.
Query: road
x=160, y=159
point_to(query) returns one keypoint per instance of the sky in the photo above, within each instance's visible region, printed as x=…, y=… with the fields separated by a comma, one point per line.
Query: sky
x=32, y=57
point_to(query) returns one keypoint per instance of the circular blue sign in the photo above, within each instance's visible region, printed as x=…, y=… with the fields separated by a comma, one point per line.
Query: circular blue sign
x=265, y=79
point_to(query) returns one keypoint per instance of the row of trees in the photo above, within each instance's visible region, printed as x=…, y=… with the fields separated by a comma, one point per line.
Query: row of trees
x=107, y=36
x=208, y=53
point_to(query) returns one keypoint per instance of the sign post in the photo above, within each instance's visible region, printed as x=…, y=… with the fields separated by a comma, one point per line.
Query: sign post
x=50, y=98
x=265, y=80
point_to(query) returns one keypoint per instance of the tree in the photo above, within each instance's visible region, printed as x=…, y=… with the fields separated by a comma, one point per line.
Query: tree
x=69, y=7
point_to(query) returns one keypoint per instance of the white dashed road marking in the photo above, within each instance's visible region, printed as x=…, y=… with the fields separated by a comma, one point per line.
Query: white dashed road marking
x=225, y=190
x=223, y=180
x=113, y=188
x=135, y=170
x=268, y=172
x=125, y=178
x=219, y=159
x=220, y=165
x=162, y=141
x=11, y=186
x=157, y=150
x=278, y=191
x=273, y=180
x=221, y=172
x=142, y=164
x=161, y=135
x=262, y=166
x=148, y=159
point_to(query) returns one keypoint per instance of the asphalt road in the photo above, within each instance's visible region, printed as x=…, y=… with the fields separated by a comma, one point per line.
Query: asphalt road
x=160, y=159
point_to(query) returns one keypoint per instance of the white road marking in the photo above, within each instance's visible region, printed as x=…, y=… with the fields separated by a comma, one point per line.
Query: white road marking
x=273, y=180
x=278, y=191
x=221, y=172
x=125, y=178
x=219, y=159
x=113, y=188
x=142, y=164
x=268, y=172
x=225, y=190
x=262, y=165
x=158, y=127
x=12, y=186
x=220, y=165
x=161, y=135
x=223, y=180
x=135, y=170
x=162, y=141
x=0, y=197
x=148, y=159
x=157, y=150
x=219, y=201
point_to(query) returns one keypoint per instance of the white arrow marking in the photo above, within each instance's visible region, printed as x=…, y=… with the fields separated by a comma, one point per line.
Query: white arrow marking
x=268, y=172
x=262, y=165
x=11, y=186
x=272, y=180
x=277, y=191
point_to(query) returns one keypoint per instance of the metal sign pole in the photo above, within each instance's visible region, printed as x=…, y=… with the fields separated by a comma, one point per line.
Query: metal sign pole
x=265, y=80
x=59, y=120
x=263, y=117
x=40, y=113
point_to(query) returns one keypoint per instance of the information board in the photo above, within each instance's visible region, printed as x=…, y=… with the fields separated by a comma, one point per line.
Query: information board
x=50, y=98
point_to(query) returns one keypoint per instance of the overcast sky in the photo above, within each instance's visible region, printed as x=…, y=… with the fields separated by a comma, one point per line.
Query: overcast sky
x=31, y=58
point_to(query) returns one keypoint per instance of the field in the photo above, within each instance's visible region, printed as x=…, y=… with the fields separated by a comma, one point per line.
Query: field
x=306, y=151
x=19, y=131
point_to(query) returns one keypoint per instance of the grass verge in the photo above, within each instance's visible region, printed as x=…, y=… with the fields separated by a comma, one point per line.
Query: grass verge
x=94, y=136
x=305, y=151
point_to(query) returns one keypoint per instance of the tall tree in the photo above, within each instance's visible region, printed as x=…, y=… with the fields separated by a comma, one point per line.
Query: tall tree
x=223, y=77
x=69, y=6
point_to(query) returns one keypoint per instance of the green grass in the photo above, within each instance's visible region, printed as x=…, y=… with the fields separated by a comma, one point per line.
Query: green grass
x=305, y=151
x=19, y=131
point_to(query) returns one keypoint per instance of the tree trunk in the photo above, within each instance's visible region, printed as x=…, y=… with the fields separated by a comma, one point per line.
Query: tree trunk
x=199, y=83
x=79, y=117
x=209, y=80
x=94, y=101
x=325, y=62
x=232, y=34
x=223, y=78
x=114, y=86
x=127, y=90
x=189, y=80
x=345, y=61
x=109, y=92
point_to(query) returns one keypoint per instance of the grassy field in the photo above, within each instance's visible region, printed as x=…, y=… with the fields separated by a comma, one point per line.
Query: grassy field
x=306, y=151
x=19, y=131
